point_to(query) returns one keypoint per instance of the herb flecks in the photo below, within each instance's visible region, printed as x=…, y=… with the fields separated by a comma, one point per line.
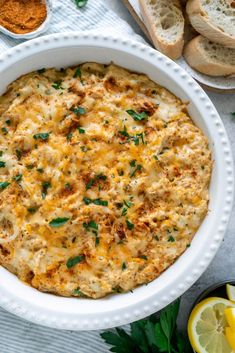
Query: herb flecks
x=72, y=261
x=137, y=116
x=98, y=202
x=45, y=186
x=2, y=164
x=41, y=136
x=81, y=3
x=58, y=222
x=78, y=110
x=18, y=177
x=130, y=225
x=57, y=85
x=124, y=266
x=4, y=131
x=92, y=181
x=4, y=185
x=138, y=168
x=81, y=130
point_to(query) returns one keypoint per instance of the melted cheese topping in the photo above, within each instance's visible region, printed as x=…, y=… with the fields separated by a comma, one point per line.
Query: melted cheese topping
x=103, y=179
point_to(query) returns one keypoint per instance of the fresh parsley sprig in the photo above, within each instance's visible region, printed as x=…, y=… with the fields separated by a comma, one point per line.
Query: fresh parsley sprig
x=81, y=3
x=151, y=335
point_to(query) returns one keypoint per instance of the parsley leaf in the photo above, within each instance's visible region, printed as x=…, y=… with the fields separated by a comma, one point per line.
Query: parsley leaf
x=130, y=225
x=32, y=210
x=124, y=266
x=72, y=261
x=4, y=131
x=41, y=136
x=2, y=164
x=97, y=202
x=151, y=335
x=18, y=177
x=78, y=110
x=133, y=163
x=8, y=122
x=92, y=181
x=78, y=292
x=138, y=167
x=77, y=73
x=18, y=154
x=81, y=3
x=4, y=185
x=90, y=225
x=45, y=186
x=57, y=85
x=137, y=116
x=171, y=239
x=41, y=71
x=58, y=222
x=80, y=130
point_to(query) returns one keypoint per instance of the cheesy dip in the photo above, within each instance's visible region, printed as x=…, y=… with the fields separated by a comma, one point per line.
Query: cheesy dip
x=103, y=179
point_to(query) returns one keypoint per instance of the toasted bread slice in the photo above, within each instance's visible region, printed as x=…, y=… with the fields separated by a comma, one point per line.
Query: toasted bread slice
x=210, y=58
x=165, y=22
x=214, y=19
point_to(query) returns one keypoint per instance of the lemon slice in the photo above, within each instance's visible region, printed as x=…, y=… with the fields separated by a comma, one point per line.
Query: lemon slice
x=230, y=335
x=206, y=326
x=230, y=292
x=230, y=317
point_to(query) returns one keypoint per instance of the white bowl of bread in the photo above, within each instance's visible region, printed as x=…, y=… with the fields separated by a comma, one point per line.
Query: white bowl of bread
x=75, y=312
x=200, y=30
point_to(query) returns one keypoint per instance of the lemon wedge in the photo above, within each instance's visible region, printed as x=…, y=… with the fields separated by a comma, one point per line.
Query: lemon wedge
x=206, y=326
x=230, y=335
x=230, y=317
x=230, y=292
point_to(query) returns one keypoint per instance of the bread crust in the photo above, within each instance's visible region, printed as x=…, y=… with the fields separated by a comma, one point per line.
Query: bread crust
x=174, y=50
x=196, y=57
x=202, y=24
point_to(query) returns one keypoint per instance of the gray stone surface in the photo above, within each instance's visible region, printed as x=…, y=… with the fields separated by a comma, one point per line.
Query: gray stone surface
x=223, y=265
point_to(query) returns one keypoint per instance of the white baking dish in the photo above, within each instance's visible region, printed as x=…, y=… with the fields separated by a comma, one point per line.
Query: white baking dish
x=62, y=50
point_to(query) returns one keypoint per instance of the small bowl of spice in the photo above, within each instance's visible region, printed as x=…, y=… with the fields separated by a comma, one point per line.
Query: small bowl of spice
x=24, y=19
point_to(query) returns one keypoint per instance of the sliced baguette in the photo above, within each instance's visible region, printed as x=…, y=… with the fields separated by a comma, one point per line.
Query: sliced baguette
x=214, y=19
x=210, y=58
x=165, y=22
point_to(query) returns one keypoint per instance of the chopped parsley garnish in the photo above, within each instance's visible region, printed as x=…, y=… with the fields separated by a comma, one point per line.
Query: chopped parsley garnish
x=69, y=136
x=4, y=184
x=81, y=3
x=137, y=116
x=144, y=257
x=72, y=261
x=41, y=71
x=41, y=136
x=97, y=240
x=18, y=177
x=138, y=167
x=135, y=138
x=91, y=226
x=156, y=157
x=156, y=238
x=133, y=163
x=45, y=186
x=58, y=222
x=2, y=164
x=78, y=292
x=84, y=148
x=171, y=239
x=68, y=186
x=78, y=110
x=4, y=131
x=40, y=170
x=8, y=122
x=120, y=172
x=130, y=225
x=97, y=202
x=77, y=73
x=32, y=210
x=57, y=85
x=30, y=166
x=124, y=211
x=18, y=154
x=128, y=203
x=124, y=266
x=92, y=181
x=80, y=130
x=188, y=245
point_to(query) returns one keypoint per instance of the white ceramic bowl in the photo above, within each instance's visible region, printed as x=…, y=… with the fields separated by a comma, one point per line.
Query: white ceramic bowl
x=62, y=50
